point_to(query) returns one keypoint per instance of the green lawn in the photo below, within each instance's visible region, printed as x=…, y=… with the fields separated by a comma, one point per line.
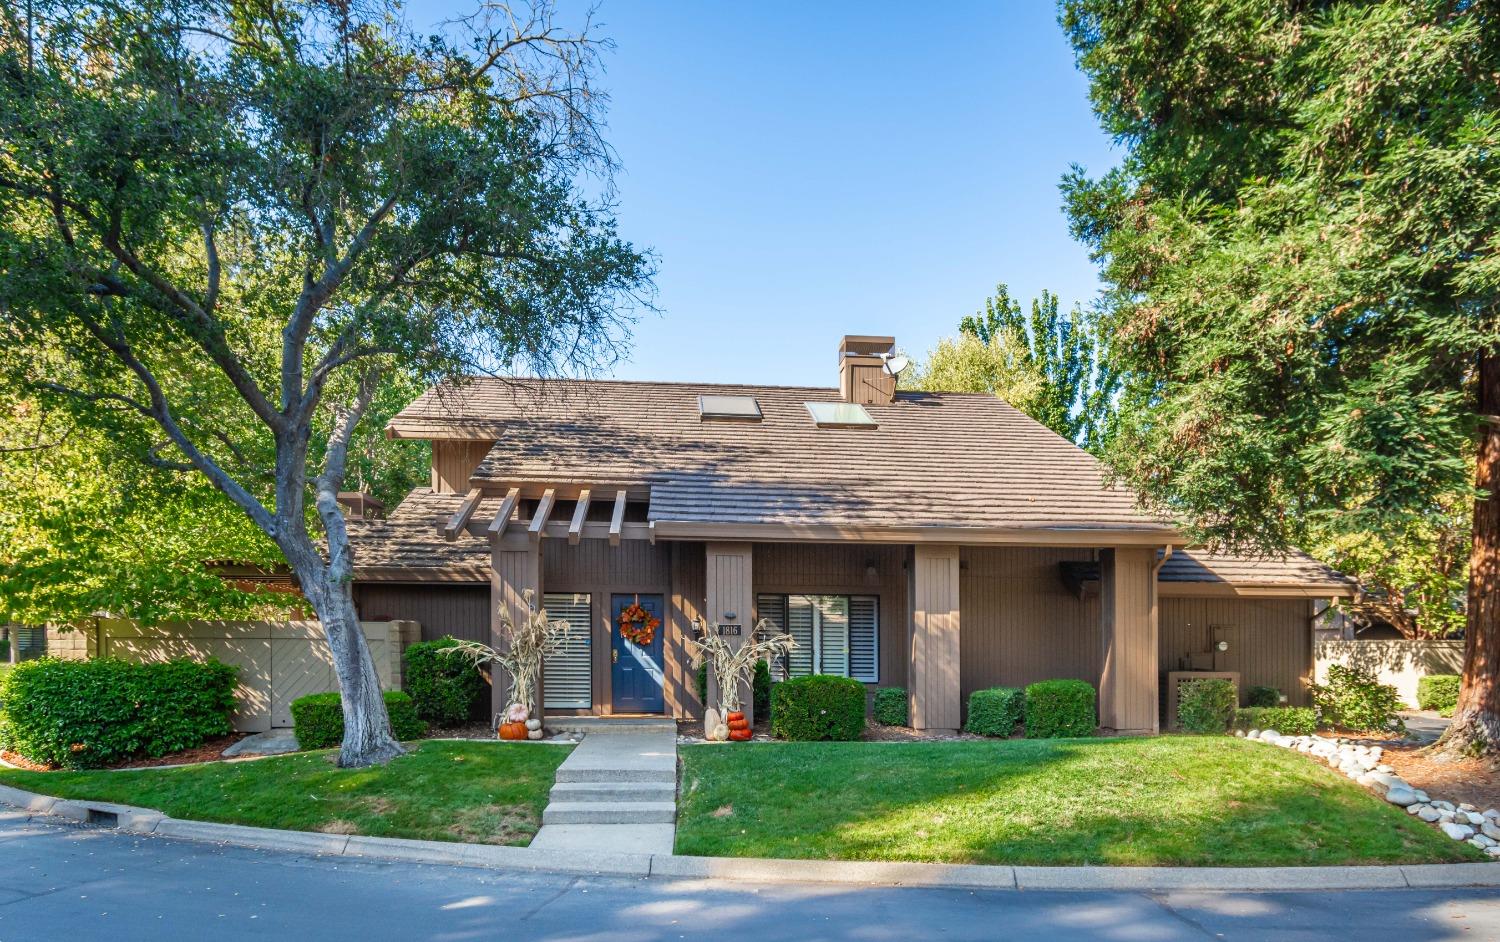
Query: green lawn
x=1170, y=800
x=446, y=791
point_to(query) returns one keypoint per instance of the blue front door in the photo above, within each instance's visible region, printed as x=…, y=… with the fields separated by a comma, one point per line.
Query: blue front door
x=636, y=671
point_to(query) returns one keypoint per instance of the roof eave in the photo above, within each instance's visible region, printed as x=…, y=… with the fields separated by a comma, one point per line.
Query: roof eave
x=851, y=533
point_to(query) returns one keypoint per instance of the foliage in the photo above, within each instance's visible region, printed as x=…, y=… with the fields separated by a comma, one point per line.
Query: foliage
x=700, y=681
x=1206, y=706
x=445, y=690
x=760, y=686
x=1289, y=721
x=891, y=707
x=1051, y=367
x=996, y=711
x=527, y=647
x=1260, y=696
x=822, y=706
x=1059, y=708
x=1354, y=699
x=1438, y=692
x=87, y=714
x=1131, y=801
x=440, y=791
x=737, y=664
x=318, y=718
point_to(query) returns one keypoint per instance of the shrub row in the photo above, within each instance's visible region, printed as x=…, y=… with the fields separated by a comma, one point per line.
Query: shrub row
x=806, y=709
x=1206, y=706
x=87, y=714
x=1438, y=692
x=1259, y=696
x=1060, y=709
x=1353, y=699
x=318, y=719
x=891, y=708
x=445, y=689
x=996, y=711
x=1290, y=721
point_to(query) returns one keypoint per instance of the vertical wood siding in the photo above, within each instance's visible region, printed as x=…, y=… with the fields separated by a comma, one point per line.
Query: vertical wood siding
x=729, y=571
x=1128, y=641
x=462, y=611
x=1270, y=640
x=453, y=463
x=936, y=659
x=513, y=573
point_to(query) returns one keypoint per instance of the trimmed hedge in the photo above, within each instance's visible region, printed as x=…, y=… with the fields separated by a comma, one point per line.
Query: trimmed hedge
x=87, y=714
x=1206, y=706
x=822, y=706
x=1058, y=709
x=1354, y=699
x=445, y=689
x=1289, y=721
x=318, y=719
x=891, y=706
x=1438, y=692
x=1259, y=696
x=996, y=711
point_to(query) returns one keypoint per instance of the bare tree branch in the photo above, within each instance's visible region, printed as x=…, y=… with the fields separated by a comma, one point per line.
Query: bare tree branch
x=340, y=556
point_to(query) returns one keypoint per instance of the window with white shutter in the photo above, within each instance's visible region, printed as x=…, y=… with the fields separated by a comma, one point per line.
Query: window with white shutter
x=772, y=608
x=567, y=675
x=835, y=634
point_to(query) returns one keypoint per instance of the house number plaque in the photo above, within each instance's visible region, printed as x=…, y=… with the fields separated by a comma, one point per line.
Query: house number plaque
x=729, y=631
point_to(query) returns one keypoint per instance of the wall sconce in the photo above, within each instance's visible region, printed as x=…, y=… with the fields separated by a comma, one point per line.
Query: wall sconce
x=1222, y=646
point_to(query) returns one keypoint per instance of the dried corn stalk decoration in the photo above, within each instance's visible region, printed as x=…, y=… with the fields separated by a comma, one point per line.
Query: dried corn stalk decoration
x=530, y=644
x=732, y=665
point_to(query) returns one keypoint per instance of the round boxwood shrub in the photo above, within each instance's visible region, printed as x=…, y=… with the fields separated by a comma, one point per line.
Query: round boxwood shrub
x=1290, y=721
x=891, y=706
x=1259, y=696
x=1206, y=706
x=318, y=719
x=87, y=714
x=1059, y=709
x=1438, y=692
x=818, y=707
x=446, y=689
x=996, y=711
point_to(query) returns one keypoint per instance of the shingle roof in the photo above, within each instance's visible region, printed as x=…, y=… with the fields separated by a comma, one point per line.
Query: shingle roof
x=936, y=460
x=1294, y=572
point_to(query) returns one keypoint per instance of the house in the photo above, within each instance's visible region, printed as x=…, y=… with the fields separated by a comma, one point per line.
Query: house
x=940, y=542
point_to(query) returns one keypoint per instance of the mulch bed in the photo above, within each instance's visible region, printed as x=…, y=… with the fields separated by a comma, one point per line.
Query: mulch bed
x=210, y=751
x=1476, y=781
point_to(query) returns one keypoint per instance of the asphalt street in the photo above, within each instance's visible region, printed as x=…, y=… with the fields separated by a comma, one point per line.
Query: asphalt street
x=68, y=883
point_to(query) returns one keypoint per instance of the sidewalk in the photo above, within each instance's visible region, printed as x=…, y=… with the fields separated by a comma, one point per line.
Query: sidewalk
x=615, y=793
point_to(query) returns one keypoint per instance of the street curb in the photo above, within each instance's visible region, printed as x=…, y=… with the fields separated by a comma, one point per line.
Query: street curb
x=757, y=869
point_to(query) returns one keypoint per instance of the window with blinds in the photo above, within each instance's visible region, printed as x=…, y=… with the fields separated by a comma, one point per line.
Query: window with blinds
x=835, y=634
x=567, y=675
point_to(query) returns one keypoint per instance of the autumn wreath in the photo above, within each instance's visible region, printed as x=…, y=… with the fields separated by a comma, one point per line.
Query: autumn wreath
x=637, y=625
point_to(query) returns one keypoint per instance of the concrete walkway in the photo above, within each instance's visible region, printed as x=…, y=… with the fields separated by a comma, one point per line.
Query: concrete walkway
x=616, y=793
x=1425, y=726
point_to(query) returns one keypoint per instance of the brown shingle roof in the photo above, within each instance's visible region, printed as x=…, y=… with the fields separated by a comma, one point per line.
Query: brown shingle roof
x=936, y=460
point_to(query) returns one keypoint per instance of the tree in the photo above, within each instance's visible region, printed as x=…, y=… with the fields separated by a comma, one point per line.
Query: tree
x=1300, y=258
x=230, y=220
x=1052, y=367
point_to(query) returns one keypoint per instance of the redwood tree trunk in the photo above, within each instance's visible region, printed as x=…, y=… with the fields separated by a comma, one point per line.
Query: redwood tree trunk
x=1476, y=720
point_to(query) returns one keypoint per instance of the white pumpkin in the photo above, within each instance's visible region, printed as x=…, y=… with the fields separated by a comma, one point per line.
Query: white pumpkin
x=711, y=719
x=533, y=724
x=720, y=733
x=534, y=734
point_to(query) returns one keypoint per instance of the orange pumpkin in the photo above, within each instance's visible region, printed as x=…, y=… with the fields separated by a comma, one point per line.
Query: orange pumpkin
x=742, y=734
x=735, y=715
x=513, y=730
x=739, y=724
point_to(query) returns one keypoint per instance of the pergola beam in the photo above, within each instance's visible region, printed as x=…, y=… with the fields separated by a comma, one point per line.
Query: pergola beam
x=538, y=526
x=497, y=526
x=617, y=519
x=580, y=514
x=460, y=518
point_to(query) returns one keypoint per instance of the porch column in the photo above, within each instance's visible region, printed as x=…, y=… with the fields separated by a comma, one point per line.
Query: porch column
x=731, y=605
x=513, y=570
x=1128, y=635
x=936, y=696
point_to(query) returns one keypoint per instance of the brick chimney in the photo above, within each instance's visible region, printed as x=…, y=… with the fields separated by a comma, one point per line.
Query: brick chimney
x=862, y=375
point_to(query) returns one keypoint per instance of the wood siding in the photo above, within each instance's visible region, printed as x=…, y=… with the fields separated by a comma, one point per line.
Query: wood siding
x=1128, y=655
x=453, y=463
x=729, y=580
x=1270, y=640
x=514, y=573
x=844, y=569
x=936, y=661
x=462, y=611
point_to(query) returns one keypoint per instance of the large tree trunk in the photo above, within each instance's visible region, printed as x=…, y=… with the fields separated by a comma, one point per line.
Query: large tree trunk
x=1476, y=721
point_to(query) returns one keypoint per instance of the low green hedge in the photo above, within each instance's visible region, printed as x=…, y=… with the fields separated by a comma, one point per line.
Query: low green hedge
x=1057, y=709
x=1438, y=692
x=891, y=706
x=1259, y=696
x=1206, y=706
x=318, y=719
x=87, y=714
x=819, y=707
x=445, y=688
x=996, y=711
x=1289, y=721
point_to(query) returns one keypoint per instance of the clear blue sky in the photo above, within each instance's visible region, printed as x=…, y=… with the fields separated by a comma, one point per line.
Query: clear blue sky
x=807, y=170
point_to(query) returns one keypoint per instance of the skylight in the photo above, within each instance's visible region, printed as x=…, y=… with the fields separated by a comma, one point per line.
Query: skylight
x=742, y=408
x=840, y=415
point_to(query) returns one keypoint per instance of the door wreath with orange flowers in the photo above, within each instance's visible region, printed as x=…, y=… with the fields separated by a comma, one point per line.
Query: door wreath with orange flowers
x=637, y=625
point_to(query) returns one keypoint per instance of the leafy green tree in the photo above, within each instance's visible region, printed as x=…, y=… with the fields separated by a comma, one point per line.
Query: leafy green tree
x=1050, y=366
x=1300, y=254
x=230, y=221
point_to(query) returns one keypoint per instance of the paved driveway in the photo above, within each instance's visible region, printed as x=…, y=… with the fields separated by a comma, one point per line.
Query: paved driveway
x=71, y=884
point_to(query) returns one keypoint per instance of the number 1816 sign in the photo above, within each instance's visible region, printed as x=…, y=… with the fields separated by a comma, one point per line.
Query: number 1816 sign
x=729, y=631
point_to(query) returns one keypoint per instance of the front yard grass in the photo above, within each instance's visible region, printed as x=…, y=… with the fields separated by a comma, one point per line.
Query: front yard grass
x=1170, y=800
x=445, y=791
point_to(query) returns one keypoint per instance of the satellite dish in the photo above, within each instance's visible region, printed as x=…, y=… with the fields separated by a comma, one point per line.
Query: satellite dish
x=896, y=363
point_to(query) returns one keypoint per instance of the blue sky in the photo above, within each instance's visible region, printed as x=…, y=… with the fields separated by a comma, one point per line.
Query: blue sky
x=807, y=170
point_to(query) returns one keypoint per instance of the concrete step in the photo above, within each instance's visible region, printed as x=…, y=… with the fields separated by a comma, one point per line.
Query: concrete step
x=592, y=774
x=610, y=812
x=614, y=791
x=607, y=724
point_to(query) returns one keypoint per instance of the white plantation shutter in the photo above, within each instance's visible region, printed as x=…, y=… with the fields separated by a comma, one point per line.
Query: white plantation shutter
x=833, y=622
x=799, y=624
x=567, y=676
x=864, y=638
x=772, y=608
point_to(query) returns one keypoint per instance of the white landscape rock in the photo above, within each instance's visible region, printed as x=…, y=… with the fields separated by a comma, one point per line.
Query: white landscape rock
x=1401, y=796
x=1459, y=832
x=1429, y=814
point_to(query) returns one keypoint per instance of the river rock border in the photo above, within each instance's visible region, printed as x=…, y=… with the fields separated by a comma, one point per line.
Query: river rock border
x=1361, y=762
